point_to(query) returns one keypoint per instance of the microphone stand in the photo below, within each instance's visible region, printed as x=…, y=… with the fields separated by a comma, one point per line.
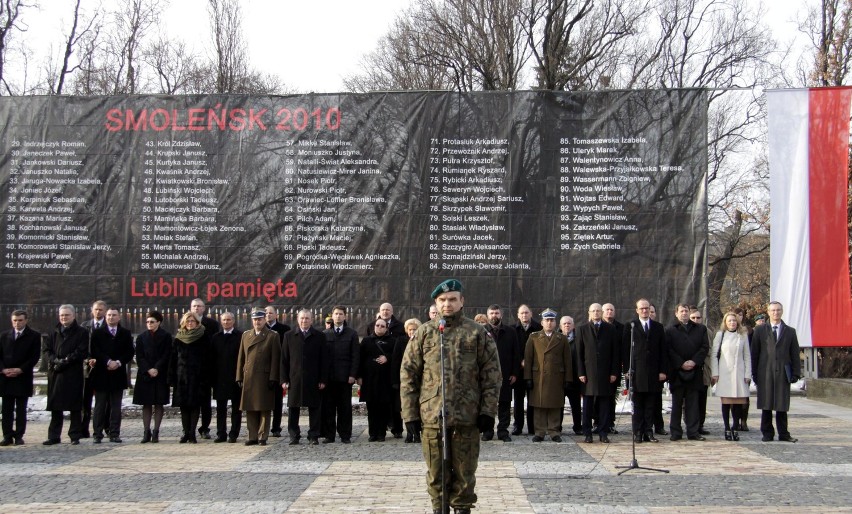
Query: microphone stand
x=634, y=464
x=445, y=448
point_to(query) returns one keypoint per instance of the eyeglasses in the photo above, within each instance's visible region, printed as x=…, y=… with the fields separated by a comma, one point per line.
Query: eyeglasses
x=190, y=321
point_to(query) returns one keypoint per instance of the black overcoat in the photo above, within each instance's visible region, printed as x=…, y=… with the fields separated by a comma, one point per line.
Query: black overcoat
x=343, y=352
x=598, y=358
x=303, y=366
x=21, y=353
x=65, y=379
x=107, y=347
x=687, y=341
x=770, y=359
x=153, y=350
x=226, y=349
x=188, y=373
x=509, y=351
x=376, y=380
x=650, y=355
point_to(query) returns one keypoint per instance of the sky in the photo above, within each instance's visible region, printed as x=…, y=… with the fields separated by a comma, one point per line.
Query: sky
x=310, y=44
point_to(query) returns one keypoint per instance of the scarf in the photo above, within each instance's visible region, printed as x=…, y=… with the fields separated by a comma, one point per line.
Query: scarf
x=190, y=336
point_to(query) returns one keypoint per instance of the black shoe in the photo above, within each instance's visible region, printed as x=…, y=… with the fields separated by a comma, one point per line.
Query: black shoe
x=651, y=439
x=662, y=431
x=463, y=510
x=327, y=440
x=184, y=439
x=193, y=440
x=75, y=442
x=743, y=427
x=97, y=439
x=204, y=435
x=604, y=438
x=220, y=439
x=397, y=435
x=613, y=431
x=19, y=441
x=346, y=440
x=788, y=439
x=417, y=439
x=537, y=439
x=697, y=438
x=735, y=435
x=703, y=432
x=588, y=439
x=294, y=441
x=373, y=439
x=556, y=439
x=380, y=439
x=578, y=431
x=767, y=438
x=155, y=436
x=250, y=443
x=638, y=439
x=312, y=441
x=263, y=442
x=676, y=438
x=51, y=442
x=728, y=436
x=276, y=433
x=517, y=431
x=409, y=437
x=505, y=438
x=146, y=437
x=486, y=436
x=86, y=435
x=6, y=442
x=115, y=439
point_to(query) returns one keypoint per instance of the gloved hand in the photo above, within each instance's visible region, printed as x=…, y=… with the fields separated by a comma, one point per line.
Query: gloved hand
x=272, y=385
x=59, y=365
x=529, y=385
x=566, y=388
x=794, y=379
x=485, y=423
x=414, y=427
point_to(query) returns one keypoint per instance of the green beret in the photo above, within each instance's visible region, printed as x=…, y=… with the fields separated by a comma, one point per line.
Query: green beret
x=447, y=286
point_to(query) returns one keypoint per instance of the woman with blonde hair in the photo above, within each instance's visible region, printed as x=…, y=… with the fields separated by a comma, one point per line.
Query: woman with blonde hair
x=410, y=326
x=186, y=373
x=731, y=370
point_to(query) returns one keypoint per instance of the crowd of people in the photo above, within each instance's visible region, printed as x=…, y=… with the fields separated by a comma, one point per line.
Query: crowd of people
x=492, y=373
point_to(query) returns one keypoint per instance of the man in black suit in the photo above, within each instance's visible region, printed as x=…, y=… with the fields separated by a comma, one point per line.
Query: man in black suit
x=688, y=345
x=775, y=365
x=95, y=322
x=509, y=351
x=279, y=328
x=19, y=353
x=304, y=374
x=395, y=327
x=112, y=351
x=64, y=352
x=211, y=327
x=343, y=350
x=526, y=325
x=623, y=356
x=573, y=392
x=225, y=345
x=597, y=352
x=648, y=369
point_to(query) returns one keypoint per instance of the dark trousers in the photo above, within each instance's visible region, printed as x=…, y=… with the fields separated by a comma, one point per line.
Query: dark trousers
x=189, y=420
x=277, y=412
x=599, y=405
x=574, y=400
x=378, y=415
x=222, y=419
x=504, y=411
x=780, y=422
x=337, y=410
x=88, y=396
x=657, y=411
x=54, y=429
x=684, y=405
x=108, y=409
x=519, y=393
x=206, y=410
x=293, y=429
x=14, y=409
x=643, y=413
x=702, y=407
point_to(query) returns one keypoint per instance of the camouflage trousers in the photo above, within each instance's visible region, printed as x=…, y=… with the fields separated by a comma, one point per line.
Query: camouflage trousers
x=461, y=466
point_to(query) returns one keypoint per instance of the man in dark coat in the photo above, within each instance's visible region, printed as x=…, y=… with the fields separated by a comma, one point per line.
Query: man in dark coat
x=597, y=364
x=279, y=328
x=211, y=327
x=509, y=351
x=649, y=368
x=112, y=351
x=344, y=356
x=688, y=345
x=623, y=356
x=304, y=374
x=64, y=353
x=95, y=322
x=775, y=365
x=19, y=353
x=526, y=325
x=573, y=392
x=226, y=347
x=395, y=327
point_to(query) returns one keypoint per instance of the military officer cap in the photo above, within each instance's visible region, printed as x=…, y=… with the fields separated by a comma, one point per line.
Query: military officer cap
x=447, y=286
x=548, y=314
x=258, y=314
x=760, y=316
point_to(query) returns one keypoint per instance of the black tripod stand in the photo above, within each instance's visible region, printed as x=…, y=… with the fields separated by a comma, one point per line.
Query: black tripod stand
x=634, y=464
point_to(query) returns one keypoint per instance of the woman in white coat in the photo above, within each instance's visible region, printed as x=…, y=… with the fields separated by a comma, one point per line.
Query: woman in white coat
x=731, y=370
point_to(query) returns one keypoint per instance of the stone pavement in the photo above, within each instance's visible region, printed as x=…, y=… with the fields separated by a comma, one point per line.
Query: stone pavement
x=813, y=475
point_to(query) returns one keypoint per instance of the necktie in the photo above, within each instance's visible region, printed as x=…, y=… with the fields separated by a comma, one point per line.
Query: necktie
x=646, y=327
x=597, y=327
x=17, y=334
x=304, y=333
x=97, y=325
x=338, y=330
x=775, y=331
x=112, y=331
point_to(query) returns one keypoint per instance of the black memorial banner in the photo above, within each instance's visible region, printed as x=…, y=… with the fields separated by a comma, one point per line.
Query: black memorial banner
x=547, y=198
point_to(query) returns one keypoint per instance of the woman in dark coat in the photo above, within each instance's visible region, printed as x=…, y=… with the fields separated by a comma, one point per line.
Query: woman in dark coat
x=375, y=381
x=186, y=373
x=153, y=351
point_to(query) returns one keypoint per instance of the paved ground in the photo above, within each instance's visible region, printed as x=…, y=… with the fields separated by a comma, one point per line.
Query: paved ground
x=814, y=475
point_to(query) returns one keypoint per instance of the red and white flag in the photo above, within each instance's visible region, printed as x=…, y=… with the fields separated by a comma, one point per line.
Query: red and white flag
x=808, y=158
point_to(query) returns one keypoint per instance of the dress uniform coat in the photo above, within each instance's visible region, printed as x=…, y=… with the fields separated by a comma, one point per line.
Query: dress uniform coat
x=769, y=358
x=21, y=353
x=65, y=380
x=304, y=367
x=548, y=365
x=257, y=366
x=153, y=350
x=226, y=349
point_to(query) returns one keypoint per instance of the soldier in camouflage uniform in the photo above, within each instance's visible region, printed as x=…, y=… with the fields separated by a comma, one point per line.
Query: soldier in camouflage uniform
x=473, y=380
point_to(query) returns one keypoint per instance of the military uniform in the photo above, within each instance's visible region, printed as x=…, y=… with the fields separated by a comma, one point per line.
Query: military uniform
x=473, y=380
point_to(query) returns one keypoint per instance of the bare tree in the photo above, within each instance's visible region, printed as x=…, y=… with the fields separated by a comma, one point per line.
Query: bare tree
x=10, y=22
x=178, y=70
x=82, y=27
x=829, y=28
x=230, y=55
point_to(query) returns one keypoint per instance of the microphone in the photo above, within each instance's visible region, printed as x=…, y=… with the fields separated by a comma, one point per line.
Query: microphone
x=441, y=325
x=631, y=325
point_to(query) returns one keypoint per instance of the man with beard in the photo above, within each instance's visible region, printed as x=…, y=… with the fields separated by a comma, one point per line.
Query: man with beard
x=688, y=346
x=64, y=352
x=509, y=352
x=526, y=325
